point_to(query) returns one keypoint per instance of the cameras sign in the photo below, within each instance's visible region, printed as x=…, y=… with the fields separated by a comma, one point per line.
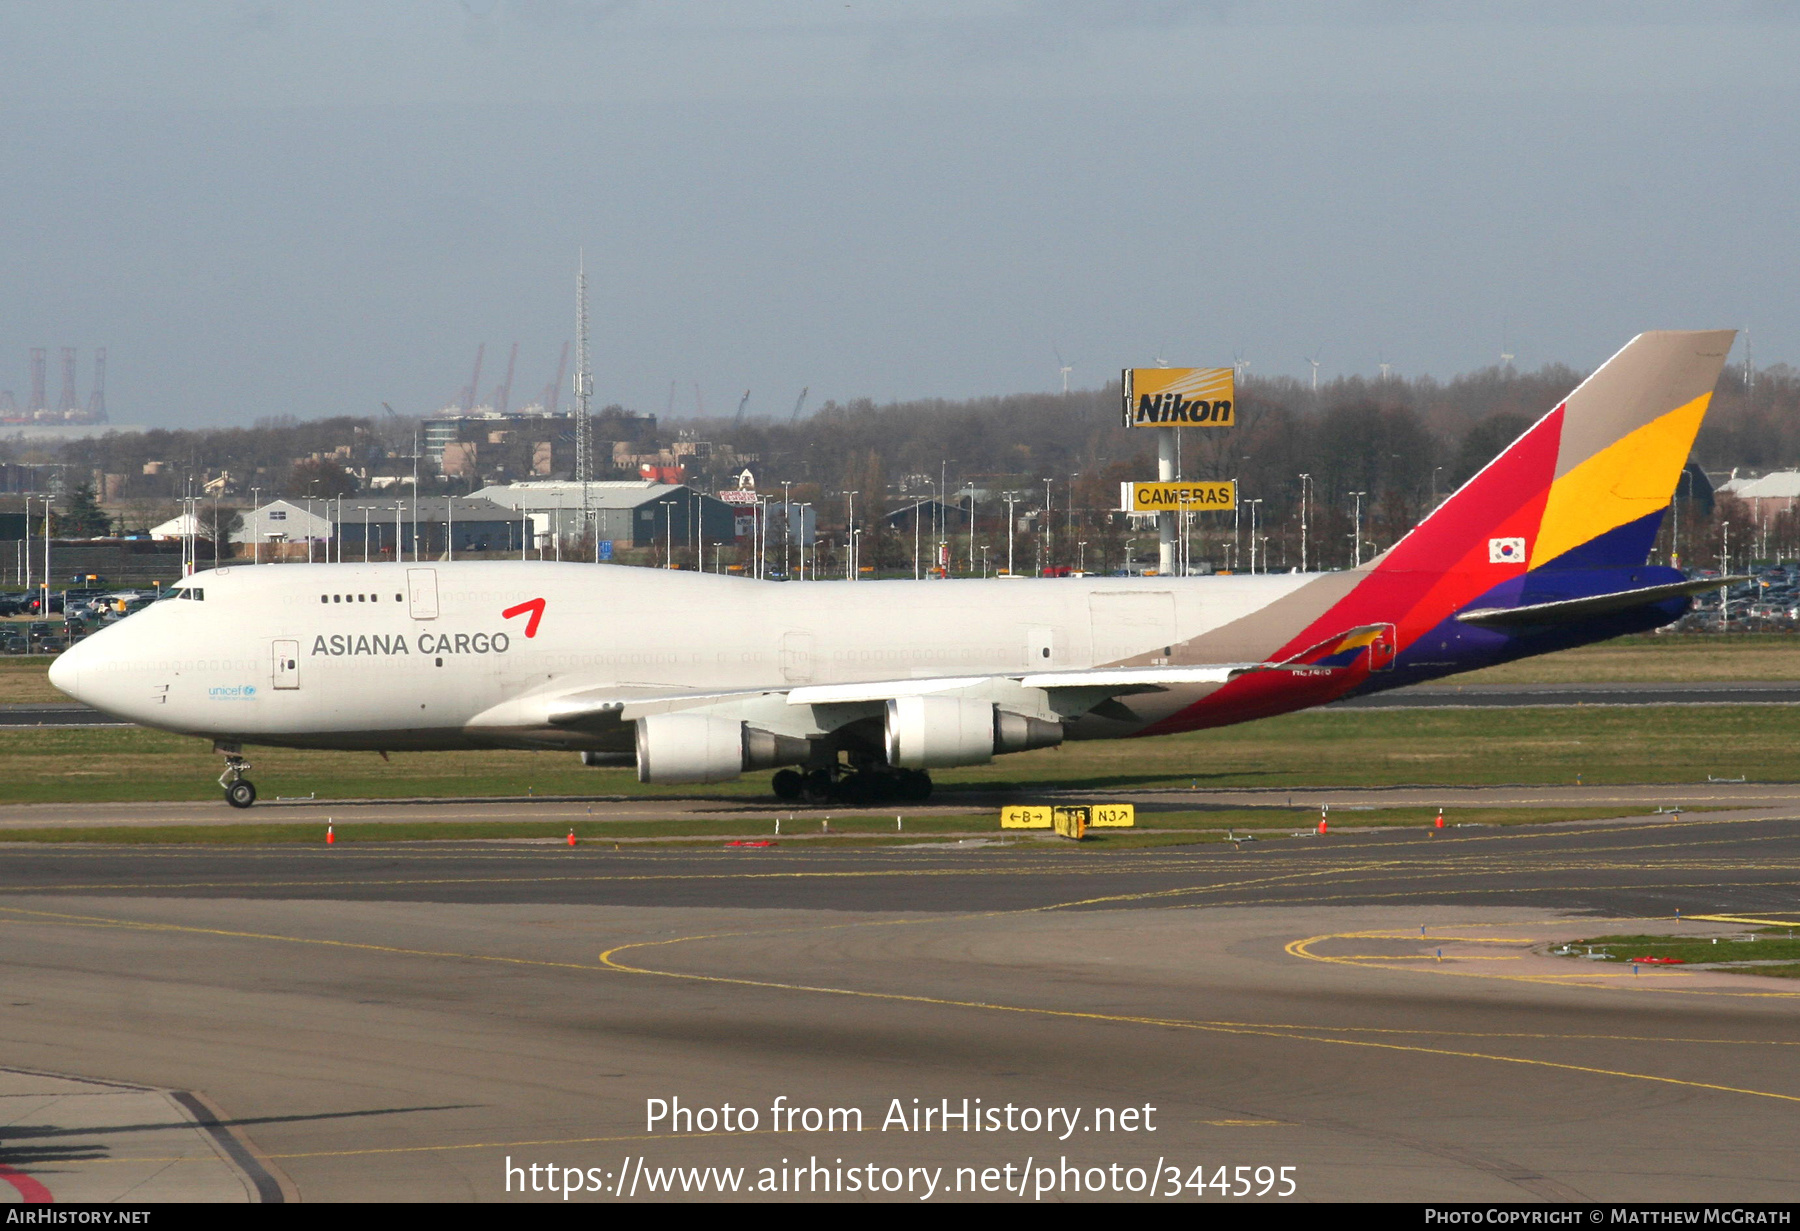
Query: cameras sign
x=1177, y=497
x=1178, y=397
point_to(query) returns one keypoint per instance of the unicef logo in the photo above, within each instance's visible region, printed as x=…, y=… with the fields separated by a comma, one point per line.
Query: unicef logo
x=249, y=690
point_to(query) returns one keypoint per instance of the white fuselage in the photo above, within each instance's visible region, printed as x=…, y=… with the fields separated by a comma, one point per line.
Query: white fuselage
x=421, y=656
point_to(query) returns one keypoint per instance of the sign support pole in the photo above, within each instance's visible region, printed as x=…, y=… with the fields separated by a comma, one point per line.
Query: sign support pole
x=1165, y=522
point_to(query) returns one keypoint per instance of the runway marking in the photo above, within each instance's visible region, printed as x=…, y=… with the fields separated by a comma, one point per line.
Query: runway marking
x=1612, y=978
x=514, y=1145
x=607, y=958
x=137, y=925
x=1772, y=923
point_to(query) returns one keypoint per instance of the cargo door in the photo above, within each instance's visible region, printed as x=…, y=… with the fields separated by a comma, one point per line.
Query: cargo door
x=286, y=664
x=1131, y=625
x=421, y=593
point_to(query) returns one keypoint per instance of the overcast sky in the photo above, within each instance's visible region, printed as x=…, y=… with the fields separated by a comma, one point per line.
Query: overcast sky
x=310, y=208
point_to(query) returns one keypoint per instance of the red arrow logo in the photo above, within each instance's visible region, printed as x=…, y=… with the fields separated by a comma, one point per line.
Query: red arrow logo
x=535, y=607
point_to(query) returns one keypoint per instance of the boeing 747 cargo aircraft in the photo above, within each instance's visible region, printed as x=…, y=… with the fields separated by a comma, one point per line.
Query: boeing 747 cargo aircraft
x=857, y=691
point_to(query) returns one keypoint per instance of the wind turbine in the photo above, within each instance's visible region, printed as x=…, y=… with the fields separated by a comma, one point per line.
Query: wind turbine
x=1315, y=372
x=1239, y=365
x=1062, y=367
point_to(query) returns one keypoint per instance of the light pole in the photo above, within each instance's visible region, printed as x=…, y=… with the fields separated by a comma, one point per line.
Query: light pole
x=984, y=561
x=256, y=532
x=856, y=554
x=1081, y=556
x=787, y=526
x=805, y=505
x=1128, y=543
x=1358, y=534
x=1012, y=524
x=668, y=508
x=1049, y=521
x=1434, y=475
x=1305, y=482
x=1724, y=572
x=850, y=536
x=1253, y=504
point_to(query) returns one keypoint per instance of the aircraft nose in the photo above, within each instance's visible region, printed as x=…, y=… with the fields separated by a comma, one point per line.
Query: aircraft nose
x=65, y=671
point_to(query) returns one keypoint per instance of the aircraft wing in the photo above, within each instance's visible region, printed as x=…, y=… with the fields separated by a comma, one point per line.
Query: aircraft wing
x=1066, y=692
x=1048, y=694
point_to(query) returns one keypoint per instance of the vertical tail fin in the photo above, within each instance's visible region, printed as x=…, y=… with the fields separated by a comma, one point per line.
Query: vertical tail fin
x=1587, y=484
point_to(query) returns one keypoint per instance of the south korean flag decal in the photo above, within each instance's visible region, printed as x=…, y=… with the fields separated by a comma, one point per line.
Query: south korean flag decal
x=1506, y=551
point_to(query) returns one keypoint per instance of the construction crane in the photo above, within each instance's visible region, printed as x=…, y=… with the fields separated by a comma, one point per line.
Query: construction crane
x=97, y=398
x=503, y=392
x=472, y=390
x=68, y=401
x=553, y=391
x=742, y=402
x=38, y=393
x=798, y=403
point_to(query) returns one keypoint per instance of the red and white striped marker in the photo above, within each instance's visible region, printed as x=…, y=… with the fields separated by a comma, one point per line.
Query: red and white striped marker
x=1440, y=820
x=571, y=837
x=329, y=836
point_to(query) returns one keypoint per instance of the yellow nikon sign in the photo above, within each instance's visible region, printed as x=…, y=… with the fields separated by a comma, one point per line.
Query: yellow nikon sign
x=1179, y=397
x=1177, y=497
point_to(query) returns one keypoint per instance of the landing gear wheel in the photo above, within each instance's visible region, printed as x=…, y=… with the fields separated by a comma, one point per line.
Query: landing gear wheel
x=817, y=788
x=241, y=793
x=788, y=785
x=915, y=786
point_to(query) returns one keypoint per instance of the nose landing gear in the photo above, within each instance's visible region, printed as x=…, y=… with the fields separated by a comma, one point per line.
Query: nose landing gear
x=240, y=792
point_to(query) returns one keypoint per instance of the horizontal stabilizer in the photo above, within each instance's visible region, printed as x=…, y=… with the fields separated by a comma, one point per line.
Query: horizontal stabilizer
x=1574, y=610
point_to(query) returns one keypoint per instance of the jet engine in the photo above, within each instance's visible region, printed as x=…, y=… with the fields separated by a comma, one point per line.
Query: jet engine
x=679, y=747
x=933, y=732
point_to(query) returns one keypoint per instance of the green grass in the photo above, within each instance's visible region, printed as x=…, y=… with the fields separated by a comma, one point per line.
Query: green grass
x=1772, y=944
x=1300, y=752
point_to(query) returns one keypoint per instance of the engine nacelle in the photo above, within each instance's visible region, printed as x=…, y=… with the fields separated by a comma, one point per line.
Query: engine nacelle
x=1021, y=732
x=673, y=748
x=934, y=732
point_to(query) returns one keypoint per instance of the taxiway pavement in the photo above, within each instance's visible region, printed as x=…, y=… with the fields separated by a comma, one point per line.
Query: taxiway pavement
x=1375, y=1010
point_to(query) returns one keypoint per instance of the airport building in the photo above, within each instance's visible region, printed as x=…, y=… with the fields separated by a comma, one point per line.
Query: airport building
x=369, y=529
x=628, y=514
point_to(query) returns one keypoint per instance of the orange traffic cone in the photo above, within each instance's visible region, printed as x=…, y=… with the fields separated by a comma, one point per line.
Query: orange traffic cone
x=1440, y=820
x=571, y=837
x=1323, y=809
x=329, y=836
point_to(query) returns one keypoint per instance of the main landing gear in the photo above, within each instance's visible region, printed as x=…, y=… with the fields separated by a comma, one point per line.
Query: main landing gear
x=867, y=784
x=240, y=792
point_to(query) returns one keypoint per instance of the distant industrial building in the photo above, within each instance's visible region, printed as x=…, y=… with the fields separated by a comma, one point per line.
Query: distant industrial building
x=629, y=514
x=489, y=442
x=1774, y=493
x=369, y=529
